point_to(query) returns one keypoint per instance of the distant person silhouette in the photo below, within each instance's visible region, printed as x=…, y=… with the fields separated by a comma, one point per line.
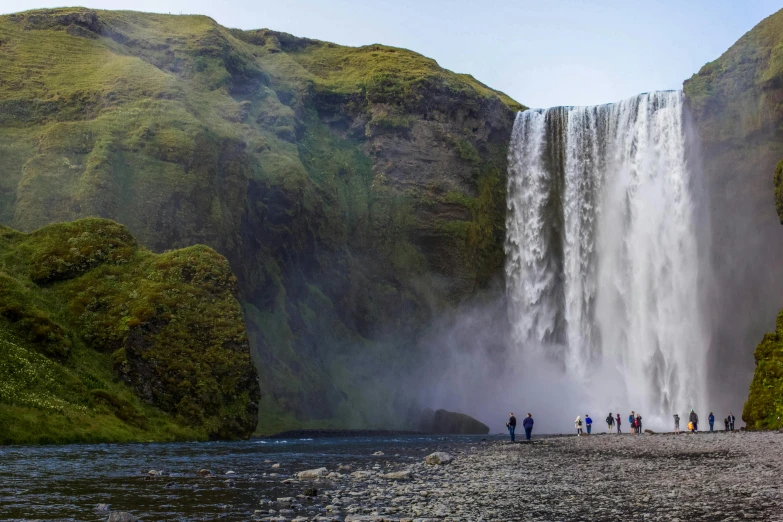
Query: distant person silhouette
x=726, y=423
x=511, y=425
x=618, y=423
x=676, y=424
x=731, y=421
x=638, y=424
x=527, y=423
x=711, y=420
x=694, y=419
x=588, y=423
x=609, y=423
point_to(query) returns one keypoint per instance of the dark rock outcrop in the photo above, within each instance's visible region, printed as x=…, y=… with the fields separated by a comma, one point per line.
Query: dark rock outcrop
x=451, y=423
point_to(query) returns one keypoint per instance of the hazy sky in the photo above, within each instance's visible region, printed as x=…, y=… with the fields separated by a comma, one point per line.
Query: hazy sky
x=542, y=52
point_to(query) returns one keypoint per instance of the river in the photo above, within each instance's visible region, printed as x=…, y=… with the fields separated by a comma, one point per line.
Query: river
x=66, y=483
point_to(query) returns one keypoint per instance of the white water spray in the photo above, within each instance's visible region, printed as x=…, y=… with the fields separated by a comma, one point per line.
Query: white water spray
x=602, y=253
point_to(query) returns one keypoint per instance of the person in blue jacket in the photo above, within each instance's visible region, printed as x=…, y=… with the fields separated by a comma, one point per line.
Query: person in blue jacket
x=589, y=423
x=711, y=419
x=527, y=423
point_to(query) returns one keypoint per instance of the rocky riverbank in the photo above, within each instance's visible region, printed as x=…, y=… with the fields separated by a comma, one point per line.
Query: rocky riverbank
x=719, y=476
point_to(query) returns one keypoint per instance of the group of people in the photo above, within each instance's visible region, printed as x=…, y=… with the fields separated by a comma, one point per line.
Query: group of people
x=527, y=423
x=693, y=422
x=613, y=422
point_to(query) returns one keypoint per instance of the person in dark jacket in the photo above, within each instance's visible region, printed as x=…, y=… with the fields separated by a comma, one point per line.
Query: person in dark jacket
x=609, y=423
x=676, y=424
x=726, y=423
x=632, y=423
x=693, y=418
x=731, y=421
x=711, y=420
x=618, y=423
x=511, y=425
x=638, y=424
x=527, y=423
x=588, y=423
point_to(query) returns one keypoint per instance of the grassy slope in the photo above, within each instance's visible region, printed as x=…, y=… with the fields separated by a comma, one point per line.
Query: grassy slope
x=188, y=132
x=74, y=296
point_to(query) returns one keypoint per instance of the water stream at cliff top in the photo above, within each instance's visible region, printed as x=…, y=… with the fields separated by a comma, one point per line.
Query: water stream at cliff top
x=603, y=269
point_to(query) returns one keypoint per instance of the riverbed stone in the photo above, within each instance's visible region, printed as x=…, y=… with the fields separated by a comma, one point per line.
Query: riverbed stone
x=312, y=473
x=438, y=458
x=121, y=516
x=398, y=475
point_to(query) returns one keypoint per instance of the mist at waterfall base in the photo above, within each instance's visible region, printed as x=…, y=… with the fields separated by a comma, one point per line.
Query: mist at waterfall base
x=607, y=277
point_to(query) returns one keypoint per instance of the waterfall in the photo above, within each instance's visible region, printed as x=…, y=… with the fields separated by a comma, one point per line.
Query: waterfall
x=602, y=254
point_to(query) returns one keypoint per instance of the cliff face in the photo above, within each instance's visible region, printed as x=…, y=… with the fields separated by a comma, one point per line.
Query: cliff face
x=103, y=340
x=354, y=191
x=737, y=107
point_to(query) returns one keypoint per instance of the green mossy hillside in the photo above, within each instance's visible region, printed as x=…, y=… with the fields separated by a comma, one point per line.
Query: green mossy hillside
x=764, y=406
x=356, y=192
x=102, y=340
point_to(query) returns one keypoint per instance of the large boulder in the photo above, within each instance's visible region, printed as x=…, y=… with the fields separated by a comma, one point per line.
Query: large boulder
x=438, y=458
x=312, y=474
x=450, y=423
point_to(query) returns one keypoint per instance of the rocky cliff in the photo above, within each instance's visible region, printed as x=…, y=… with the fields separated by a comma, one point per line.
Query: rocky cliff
x=355, y=191
x=102, y=340
x=737, y=108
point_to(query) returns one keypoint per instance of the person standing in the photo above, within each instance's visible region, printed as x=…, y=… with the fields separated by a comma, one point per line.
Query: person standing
x=618, y=423
x=609, y=423
x=731, y=421
x=694, y=419
x=588, y=423
x=726, y=423
x=711, y=420
x=632, y=423
x=676, y=424
x=511, y=425
x=638, y=424
x=578, y=425
x=527, y=423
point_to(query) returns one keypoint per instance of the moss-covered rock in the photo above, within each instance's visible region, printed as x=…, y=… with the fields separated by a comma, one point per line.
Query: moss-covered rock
x=354, y=191
x=93, y=324
x=764, y=406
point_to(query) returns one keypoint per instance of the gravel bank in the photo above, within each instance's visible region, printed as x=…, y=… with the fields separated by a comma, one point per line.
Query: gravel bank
x=719, y=476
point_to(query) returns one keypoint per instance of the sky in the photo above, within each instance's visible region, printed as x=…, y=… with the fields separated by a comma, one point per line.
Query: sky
x=542, y=53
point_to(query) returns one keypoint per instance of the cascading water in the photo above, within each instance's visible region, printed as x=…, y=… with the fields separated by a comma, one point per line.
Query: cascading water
x=602, y=252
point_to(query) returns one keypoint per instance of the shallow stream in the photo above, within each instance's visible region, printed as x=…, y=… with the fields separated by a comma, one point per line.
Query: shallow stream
x=68, y=482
